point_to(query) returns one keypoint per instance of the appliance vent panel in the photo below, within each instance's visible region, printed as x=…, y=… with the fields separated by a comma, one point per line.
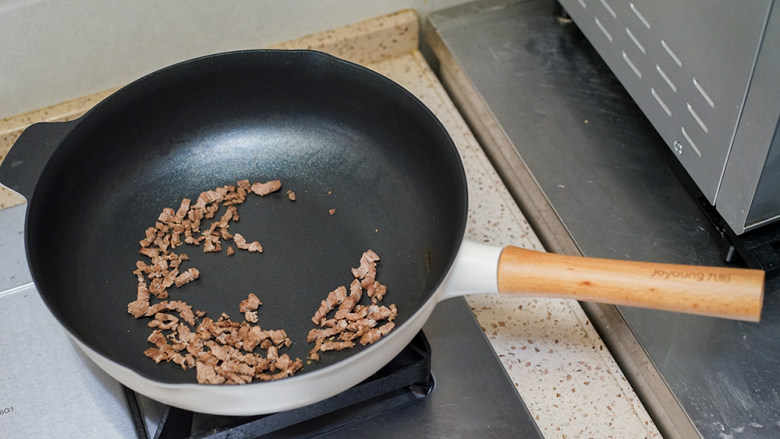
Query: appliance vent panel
x=681, y=68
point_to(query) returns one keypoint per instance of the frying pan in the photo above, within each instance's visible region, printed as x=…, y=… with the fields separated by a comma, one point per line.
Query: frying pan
x=341, y=137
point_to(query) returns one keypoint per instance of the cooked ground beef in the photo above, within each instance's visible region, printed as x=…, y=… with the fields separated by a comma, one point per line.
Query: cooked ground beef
x=263, y=189
x=224, y=351
x=251, y=303
x=352, y=321
x=221, y=351
x=188, y=276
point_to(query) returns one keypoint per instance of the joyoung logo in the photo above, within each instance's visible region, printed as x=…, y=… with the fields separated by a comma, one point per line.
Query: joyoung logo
x=699, y=276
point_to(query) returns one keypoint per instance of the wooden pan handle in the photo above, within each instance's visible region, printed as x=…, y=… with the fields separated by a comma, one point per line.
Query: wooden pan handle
x=732, y=293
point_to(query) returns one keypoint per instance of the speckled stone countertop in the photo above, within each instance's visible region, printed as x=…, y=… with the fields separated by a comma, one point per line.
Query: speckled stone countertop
x=562, y=370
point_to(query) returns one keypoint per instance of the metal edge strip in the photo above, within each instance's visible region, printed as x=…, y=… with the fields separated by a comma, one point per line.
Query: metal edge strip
x=16, y=289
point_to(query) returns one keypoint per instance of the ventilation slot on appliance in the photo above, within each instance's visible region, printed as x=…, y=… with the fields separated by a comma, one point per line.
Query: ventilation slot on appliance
x=603, y=29
x=636, y=41
x=631, y=64
x=609, y=8
x=639, y=16
x=697, y=118
x=690, y=142
x=661, y=102
x=671, y=52
x=703, y=93
x=666, y=78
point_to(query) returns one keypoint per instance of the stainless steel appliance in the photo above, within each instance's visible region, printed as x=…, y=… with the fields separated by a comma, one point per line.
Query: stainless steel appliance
x=705, y=73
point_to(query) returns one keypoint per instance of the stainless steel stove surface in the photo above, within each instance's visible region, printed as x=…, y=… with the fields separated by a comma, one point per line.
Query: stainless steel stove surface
x=48, y=389
x=594, y=178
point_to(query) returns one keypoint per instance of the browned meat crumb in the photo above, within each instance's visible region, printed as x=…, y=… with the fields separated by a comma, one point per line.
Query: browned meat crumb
x=157, y=289
x=195, y=216
x=382, y=312
x=225, y=234
x=234, y=366
x=240, y=241
x=327, y=332
x=225, y=219
x=207, y=375
x=314, y=352
x=163, y=321
x=374, y=334
x=251, y=303
x=266, y=188
x=137, y=308
x=329, y=345
x=291, y=195
x=230, y=251
x=184, y=310
x=188, y=276
x=211, y=244
x=166, y=352
x=353, y=321
x=334, y=298
x=252, y=337
x=332, y=211
x=208, y=197
x=296, y=365
x=355, y=293
x=181, y=213
x=255, y=246
x=367, y=264
x=167, y=215
x=347, y=316
x=140, y=305
x=151, y=235
x=278, y=337
x=157, y=338
x=156, y=354
x=284, y=362
x=376, y=292
x=149, y=252
x=244, y=245
x=360, y=326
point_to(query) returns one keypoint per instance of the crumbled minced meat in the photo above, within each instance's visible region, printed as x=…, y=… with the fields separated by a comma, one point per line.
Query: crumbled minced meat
x=221, y=351
x=352, y=321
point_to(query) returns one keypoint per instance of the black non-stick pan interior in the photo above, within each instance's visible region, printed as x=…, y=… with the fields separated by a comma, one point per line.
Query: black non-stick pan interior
x=339, y=136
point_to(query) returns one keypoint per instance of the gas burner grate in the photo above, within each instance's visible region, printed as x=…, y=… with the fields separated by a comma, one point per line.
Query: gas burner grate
x=405, y=379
